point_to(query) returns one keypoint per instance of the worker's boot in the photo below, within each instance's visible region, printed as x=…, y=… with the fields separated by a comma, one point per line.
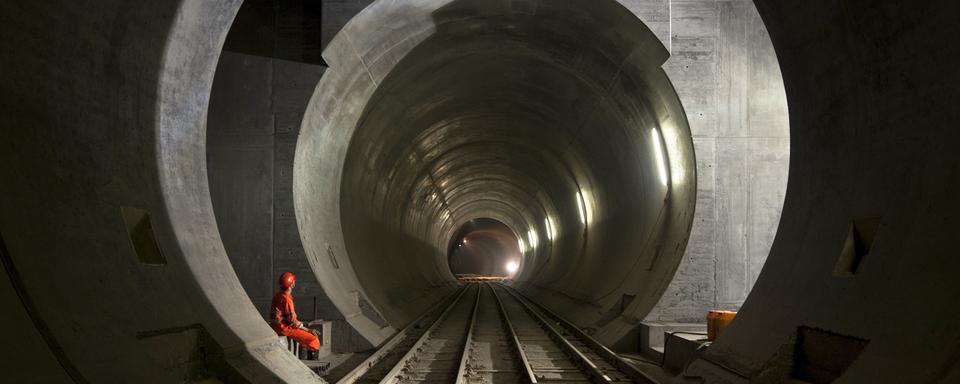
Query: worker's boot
x=313, y=355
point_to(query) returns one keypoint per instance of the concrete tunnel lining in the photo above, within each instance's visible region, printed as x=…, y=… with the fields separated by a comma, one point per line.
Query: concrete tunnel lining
x=888, y=80
x=184, y=88
x=117, y=119
x=189, y=39
x=483, y=106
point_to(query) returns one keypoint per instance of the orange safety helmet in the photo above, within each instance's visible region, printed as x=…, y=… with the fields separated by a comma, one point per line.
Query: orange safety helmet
x=287, y=279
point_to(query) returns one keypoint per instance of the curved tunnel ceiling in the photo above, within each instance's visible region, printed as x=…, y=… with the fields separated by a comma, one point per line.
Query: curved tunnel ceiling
x=555, y=120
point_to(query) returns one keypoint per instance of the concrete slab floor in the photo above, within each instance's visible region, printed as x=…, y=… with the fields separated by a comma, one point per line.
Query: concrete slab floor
x=341, y=364
x=650, y=367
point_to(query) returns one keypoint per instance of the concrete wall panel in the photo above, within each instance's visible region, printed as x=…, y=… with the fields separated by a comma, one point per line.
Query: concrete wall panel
x=728, y=78
x=871, y=87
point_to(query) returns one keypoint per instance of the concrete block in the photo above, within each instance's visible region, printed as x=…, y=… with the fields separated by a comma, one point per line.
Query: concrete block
x=681, y=349
x=653, y=336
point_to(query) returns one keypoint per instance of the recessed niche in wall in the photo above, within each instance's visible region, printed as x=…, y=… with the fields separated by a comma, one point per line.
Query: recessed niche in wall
x=856, y=246
x=140, y=231
x=822, y=356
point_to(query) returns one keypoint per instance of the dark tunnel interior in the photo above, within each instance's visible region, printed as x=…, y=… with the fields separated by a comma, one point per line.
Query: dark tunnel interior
x=642, y=162
x=484, y=247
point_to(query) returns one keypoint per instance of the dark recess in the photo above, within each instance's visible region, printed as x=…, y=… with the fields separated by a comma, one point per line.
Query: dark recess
x=860, y=236
x=281, y=29
x=822, y=356
x=140, y=231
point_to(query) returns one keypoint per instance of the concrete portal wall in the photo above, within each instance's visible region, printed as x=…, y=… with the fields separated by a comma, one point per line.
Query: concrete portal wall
x=873, y=89
x=336, y=14
x=104, y=110
x=256, y=107
x=727, y=75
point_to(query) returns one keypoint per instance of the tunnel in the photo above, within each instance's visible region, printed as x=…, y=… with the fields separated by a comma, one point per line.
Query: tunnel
x=580, y=147
x=484, y=247
x=807, y=185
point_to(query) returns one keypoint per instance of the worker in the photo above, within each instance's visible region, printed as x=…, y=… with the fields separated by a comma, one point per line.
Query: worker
x=283, y=317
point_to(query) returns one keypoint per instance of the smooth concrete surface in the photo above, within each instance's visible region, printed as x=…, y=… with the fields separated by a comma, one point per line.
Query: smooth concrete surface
x=725, y=70
x=680, y=349
x=726, y=74
x=256, y=105
x=105, y=107
x=437, y=112
x=653, y=336
x=872, y=89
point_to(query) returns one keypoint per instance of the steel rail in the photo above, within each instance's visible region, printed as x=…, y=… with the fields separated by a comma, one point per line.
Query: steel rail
x=392, y=342
x=591, y=369
x=392, y=375
x=531, y=376
x=612, y=357
x=462, y=372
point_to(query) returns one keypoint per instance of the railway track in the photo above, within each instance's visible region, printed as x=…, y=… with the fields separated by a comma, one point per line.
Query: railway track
x=376, y=367
x=490, y=333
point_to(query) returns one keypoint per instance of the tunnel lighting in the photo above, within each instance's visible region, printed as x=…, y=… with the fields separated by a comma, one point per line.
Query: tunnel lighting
x=532, y=236
x=658, y=150
x=523, y=247
x=549, y=225
x=581, y=208
x=671, y=150
x=512, y=267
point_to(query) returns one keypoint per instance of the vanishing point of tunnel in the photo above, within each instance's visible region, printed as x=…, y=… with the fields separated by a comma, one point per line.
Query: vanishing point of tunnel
x=483, y=191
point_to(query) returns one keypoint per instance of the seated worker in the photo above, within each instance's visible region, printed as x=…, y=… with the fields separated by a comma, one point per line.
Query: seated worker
x=284, y=318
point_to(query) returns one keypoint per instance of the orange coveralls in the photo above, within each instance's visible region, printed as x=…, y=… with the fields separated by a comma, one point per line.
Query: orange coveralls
x=284, y=322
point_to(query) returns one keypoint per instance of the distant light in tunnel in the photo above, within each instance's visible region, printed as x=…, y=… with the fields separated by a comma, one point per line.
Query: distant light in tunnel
x=661, y=161
x=581, y=208
x=549, y=225
x=512, y=267
x=532, y=236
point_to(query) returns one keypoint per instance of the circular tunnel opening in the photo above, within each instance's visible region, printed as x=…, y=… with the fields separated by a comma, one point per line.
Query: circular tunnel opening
x=557, y=122
x=484, y=247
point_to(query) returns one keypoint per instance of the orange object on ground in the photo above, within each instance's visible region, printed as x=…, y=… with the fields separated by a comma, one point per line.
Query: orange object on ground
x=284, y=321
x=717, y=321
